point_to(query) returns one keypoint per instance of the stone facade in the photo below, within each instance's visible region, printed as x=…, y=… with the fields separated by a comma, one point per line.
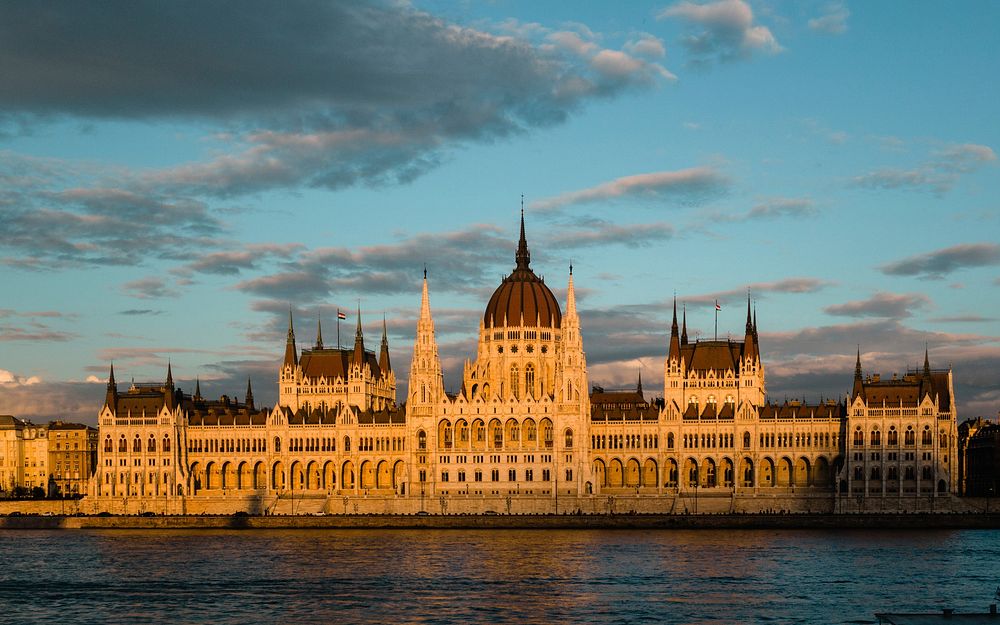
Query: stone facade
x=524, y=434
x=57, y=457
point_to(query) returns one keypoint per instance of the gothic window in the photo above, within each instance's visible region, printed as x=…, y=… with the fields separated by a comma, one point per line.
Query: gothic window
x=893, y=437
x=876, y=438
x=480, y=432
x=910, y=438
x=137, y=444
x=347, y=443
x=859, y=437
x=547, y=434
x=876, y=473
x=463, y=432
x=497, y=435
x=421, y=440
x=569, y=439
x=151, y=446
x=925, y=438
x=107, y=443
x=670, y=440
x=515, y=390
x=529, y=379
x=277, y=445
x=529, y=431
x=746, y=440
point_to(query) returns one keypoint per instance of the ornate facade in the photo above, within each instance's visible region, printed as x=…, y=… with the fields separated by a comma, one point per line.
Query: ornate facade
x=524, y=425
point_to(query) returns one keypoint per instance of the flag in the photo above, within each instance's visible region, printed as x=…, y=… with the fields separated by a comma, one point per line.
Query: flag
x=341, y=315
x=717, y=307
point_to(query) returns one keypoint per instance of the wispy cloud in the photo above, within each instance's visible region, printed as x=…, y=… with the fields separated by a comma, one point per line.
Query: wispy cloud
x=773, y=208
x=938, y=175
x=891, y=305
x=787, y=285
x=150, y=287
x=833, y=21
x=684, y=185
x=724, y=31
x=939, y=263
x=602, y=232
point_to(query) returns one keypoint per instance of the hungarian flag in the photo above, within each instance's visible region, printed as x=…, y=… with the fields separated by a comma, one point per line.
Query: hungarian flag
x=717, y=307
x=341, y=315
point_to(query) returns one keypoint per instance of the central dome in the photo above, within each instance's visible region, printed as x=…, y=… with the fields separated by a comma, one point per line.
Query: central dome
x=522, y=294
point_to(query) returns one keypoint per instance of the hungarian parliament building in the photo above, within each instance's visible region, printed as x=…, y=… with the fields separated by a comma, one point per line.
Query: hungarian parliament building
x=526, y=433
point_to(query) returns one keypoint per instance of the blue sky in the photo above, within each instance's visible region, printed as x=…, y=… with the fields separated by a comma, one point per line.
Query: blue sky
x=173, y=177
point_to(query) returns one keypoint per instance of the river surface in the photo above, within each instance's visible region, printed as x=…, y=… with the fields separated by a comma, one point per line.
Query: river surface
x=490, y=576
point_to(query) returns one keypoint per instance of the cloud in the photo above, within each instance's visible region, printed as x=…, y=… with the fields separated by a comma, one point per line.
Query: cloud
x=315, y=94
x=603, y=232
x=774, y=208
x=138, y=312
x=939, y=263
x=833, y=21
x=646, y=46
x=787, y=285
x=235, y=261
x=938, y=175
x=8, y=378
x=725, y=31
x=681, y=185
x=891, y=305
x=150, y=287
x=34, y=332
x=963, y=319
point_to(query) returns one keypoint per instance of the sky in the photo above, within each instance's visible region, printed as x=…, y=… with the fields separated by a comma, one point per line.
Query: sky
x=175, y=176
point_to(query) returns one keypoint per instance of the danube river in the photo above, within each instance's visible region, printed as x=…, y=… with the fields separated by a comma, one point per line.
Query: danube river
x=491, y=576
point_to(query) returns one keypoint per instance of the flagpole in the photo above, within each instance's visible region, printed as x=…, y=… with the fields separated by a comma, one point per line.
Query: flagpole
x=716, y=320
x=338, y=328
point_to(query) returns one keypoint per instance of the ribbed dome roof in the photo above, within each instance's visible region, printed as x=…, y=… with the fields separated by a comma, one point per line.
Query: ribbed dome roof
x=522, y=293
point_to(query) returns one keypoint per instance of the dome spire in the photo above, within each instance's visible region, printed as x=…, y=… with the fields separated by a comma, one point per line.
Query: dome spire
x=523, y=257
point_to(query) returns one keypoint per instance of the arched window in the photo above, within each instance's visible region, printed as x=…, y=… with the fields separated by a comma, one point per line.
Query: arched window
x=277, y=445
x=480, y=432
x=876, y=473
x=569, y=438
x=746, y=440
x=892, y=439
x=166, y=443
x=151, y=446
x=529, y=379
x=137, y=444
x=347, y=443
x=670, y=440
x=421, y=440
x=530, y=433
x=547, y=434
x=107, y=443
x=515, y=390
x=859, y=437
x=876, y=438
x=925, y=438
x=497, y=435
x=910, y=438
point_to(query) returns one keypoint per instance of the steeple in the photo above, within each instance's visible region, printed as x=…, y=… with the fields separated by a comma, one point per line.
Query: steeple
x=684, y=327
x=383, y=357
x=675, y=341
x=859, y=385
x=750, y=340
x=638, y=386
x=522, y=257
x=359, y=343
x=197, y=389
x=170, y=377
x=112, y=394
x=168, y=395
x=319, y=330
x=927, y=363
x=291, y=355
x=926, y=380
x=249, y=397
x=426, y=380
x=570, y=294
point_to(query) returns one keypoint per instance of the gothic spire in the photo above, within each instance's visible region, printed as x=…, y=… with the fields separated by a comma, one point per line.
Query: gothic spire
x=291, y=355
x=859, y=385
x=675, y=342
x=638, y=386
x=522, y=257
x=684, y=326
x=112, y=393
x=319, y=330
x=170, y=377
x=749, y=329
x=359, y=342
x=111, y=378
x=197, y=389
x=857, y=365
x=249, y=397
x=383, y=358
x=570, y=294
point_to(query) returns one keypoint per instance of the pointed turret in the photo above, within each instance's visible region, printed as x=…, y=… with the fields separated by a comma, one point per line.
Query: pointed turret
x=319, y=331
x=168, y=394
x=926, y=381
x=859, y=385
x=197, y=389
x=426, y=380
x=248, y=400
x=291, y=354
x=750, y=342
x=638, y=386
x=112, y=394
x=523, y=256
x=383, y=358
x=675, y=339
x=358, y=356
x=684, y=327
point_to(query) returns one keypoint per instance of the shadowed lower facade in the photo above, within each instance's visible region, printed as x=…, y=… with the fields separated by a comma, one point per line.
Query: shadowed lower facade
x=525, y=431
